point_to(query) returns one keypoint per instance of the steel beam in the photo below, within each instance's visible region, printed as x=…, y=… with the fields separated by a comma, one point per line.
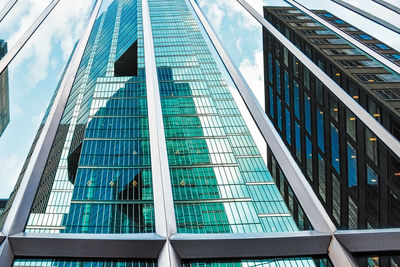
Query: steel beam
x=132, y=246
x=368, y=15
x=388, y=5
x=377, y=240
x=20, y=209
x=259, y=245
x=26, y=36
x=162, y=189
x=347, y=37
x=6, y=254
x=6, y=9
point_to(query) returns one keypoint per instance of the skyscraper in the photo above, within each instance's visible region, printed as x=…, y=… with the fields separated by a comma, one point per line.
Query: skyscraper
x=326, y=138
x=4, y=99
x=144, y=158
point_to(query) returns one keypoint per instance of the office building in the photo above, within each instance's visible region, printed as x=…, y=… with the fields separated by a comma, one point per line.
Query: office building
x=4, y=98
x=354, y=175
x=144, y=158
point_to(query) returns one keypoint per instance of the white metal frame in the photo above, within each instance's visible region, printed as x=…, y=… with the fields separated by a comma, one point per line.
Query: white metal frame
x=166, y=244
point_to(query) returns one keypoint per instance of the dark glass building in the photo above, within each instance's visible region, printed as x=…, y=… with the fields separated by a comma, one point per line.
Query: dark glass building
x=354, y=175
x=4, y=98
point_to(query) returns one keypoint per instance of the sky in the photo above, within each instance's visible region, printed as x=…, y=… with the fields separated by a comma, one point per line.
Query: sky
x=35, y=72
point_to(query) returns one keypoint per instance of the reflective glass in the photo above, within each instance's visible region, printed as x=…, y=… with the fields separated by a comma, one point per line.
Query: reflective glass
x=82, y=262
x=98, y=176
x=292, y=262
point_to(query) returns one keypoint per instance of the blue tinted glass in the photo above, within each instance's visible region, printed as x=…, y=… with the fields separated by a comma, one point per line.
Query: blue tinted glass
x=298, y=141
x=395, y=56
x=328, y=15
x=338, y=21
x=279, y=113
x=270, y=68
x=307, y=110
x=309, y=157
x=352, y=165
x=271, y=102
x=287, y=89
x=365, y=37
x=278, y=76
x=296, y=99
x=335, y=147
x=371, y=176
x=382, y=46
x=320, y=129
x=288, y=137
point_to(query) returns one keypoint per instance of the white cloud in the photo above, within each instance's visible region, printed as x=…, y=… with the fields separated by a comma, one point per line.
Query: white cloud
x=59, y=32
x=239, y=44
x=9, y=171
x=253, y=71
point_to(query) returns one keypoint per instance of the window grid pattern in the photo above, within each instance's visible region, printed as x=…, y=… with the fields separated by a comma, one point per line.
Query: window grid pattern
x=101, y=181
x=217, y=173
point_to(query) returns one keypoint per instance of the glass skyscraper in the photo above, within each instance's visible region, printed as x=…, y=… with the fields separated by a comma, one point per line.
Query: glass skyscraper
x=144, y=158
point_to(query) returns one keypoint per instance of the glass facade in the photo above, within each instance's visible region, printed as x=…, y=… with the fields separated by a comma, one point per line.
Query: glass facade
x=218, y=176
x=324, y=126
x=98, y=176
x=83, y=263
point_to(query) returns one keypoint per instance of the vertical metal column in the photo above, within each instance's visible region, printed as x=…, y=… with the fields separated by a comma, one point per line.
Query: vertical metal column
x=162, y=188
x=7, y=8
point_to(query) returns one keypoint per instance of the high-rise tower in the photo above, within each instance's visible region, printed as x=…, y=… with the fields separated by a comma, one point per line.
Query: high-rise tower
x=4, y=99
x=144, y=158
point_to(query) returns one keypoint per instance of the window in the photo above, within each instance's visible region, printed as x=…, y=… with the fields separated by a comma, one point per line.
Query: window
x=351, y=165
x=339, y=21
x=389, y=94
x=271, y=102
x=353, y=214
x=394, y=56
x=309, y=156
x=298, y=141
x=304, y=24
x=328, y=41
x=371, y=145
x=382, y=46
x=320, y=129
x=278, y=77
x=270, y=70
x=364, y=37
x=288, y=119
x=321, y=177
x=287, y=88
x=307, y=111
x=351, y=124
x=315, y=32
x=359, y=63
x=374, y=110
x=279, y=113
x=335, y=148
x=336, y=198
x=306, y=78
x=333, y=106
x=328, y=15
x=342, y=52
x=319, y=91
x=293, y=11
x=371, y=78
x=296, y=99
x=349, y=29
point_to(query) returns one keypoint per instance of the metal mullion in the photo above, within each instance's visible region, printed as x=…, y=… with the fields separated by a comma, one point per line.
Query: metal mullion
x=6, y=254
x=137, y=246
x=162, y=189
x=20, y=210
x=6, y=9
x=260, y=245
x=346, y=36
x=367, y=15
x=388, y=5
x=27, y=35
x=304, y=192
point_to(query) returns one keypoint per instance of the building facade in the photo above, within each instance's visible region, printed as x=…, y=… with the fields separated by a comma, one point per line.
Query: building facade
x=144, y=158
x=326, y=139
x=4, y=98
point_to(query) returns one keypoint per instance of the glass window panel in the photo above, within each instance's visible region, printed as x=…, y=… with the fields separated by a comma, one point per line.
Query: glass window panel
x=335, y=148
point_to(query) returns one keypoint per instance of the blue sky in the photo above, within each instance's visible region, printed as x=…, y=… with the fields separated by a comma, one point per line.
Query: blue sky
x=35, y=72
